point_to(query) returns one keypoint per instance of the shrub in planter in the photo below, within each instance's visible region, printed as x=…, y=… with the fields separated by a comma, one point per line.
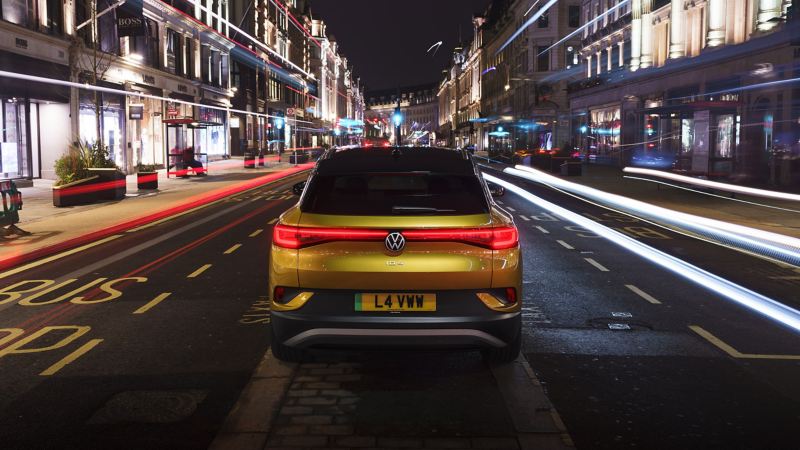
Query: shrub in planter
x=85, y=175
x=146, y=176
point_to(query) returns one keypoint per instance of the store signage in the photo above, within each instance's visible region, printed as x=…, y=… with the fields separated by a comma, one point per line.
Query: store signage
x=182, y=88
x=21, y=43
x=172, y=110
x=130, y=19
x=149, y=79
x=135, y=112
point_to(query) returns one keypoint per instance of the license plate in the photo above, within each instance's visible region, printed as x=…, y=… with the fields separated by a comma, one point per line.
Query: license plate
x=390, y=302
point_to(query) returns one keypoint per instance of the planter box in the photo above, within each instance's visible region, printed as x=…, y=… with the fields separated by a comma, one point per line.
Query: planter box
x=147, y=180
x=112, y=183
x=79, y=192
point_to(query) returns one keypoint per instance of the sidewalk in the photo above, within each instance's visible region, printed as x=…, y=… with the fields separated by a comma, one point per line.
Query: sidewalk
x=50, y=226
x=610, y=179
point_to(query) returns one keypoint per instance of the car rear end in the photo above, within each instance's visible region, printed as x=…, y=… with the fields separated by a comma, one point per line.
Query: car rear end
x=395, y=250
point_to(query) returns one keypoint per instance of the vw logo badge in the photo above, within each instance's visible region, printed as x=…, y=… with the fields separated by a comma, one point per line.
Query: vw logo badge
x=395, y=242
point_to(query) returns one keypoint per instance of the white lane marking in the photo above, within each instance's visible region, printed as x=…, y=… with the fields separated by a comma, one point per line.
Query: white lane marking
x=232, y=249
x=256, y=233
x=643, y=294
x=565, y=245
x=599, y=266
x=511, y=209
x=542, y=229
x=525, y=218
x=273, y=221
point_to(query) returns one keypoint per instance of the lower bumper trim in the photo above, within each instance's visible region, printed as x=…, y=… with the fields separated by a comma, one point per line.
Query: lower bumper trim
x=317, y=335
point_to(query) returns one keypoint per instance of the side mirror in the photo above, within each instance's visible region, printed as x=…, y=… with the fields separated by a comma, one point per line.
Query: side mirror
x=297, y=189
x=496, y=190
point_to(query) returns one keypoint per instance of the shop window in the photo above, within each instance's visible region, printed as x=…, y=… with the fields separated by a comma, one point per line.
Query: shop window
x=13, y=139
x=687, y=135
x=725, y=136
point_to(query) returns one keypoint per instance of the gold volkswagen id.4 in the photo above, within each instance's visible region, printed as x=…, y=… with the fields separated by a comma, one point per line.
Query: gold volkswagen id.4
x=393, y=247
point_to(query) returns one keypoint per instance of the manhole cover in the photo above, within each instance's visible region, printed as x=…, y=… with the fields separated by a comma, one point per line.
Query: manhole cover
x=149, y=407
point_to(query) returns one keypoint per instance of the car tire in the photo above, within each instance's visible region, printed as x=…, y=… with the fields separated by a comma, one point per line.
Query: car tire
x=505, y=354
x=284, y=352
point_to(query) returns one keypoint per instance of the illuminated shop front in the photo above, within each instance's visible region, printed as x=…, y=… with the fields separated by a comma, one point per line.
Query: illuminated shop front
x=110, y=121
x=603, y=134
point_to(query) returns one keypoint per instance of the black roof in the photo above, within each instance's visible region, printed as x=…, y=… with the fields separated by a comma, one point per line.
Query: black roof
x=395, y=159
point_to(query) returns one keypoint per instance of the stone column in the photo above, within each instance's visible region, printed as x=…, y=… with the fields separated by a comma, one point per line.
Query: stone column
x=589, y=66
x=599, y=62
x=647, y=34
x=769, y=12
x=716, y=23
x=621, y=53
x=677, y=46
x=636, y=34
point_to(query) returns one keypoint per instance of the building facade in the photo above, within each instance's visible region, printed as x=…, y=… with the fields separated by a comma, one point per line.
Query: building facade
x=419, y=114
x=690, y=85
x=225, y=78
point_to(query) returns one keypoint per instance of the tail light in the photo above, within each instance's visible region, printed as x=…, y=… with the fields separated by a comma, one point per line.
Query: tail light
x=298, y=237
x=493, y=238
x=511, y=295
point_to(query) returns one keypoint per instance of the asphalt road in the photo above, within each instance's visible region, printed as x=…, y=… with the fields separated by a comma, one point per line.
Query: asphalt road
x=172, y=320
x=631, y=354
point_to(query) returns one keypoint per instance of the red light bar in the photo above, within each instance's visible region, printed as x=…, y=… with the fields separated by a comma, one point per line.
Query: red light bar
x=299, y=237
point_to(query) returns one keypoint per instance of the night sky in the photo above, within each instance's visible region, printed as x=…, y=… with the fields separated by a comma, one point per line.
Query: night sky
x=386, y=40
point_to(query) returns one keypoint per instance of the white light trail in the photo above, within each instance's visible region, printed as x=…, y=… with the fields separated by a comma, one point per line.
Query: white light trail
x=749, y=299
x=436, y=45
x=714, y=184
x=581, y=28
x=254, y=40
x=759, y=242
x=88, y=87
x=527, y=23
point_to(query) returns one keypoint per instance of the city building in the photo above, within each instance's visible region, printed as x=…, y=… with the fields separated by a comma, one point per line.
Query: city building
x=688, y=83
x=504, y=92
x=523, y=100
x=419, y=114
x=225, y=78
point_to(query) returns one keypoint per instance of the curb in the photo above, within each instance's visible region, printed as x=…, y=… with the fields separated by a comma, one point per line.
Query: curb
x=250, y=420
x=190, y=204
x=536, y=421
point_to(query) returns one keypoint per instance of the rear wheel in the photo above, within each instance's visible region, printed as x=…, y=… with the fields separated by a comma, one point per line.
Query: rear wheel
x=284, y=352
x=505, y=354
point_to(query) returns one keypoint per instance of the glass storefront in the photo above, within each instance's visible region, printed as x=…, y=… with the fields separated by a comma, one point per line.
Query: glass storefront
x=13, y=142
x=112, y=123
x=211, y=138
x=147, y=137
x=604, y=132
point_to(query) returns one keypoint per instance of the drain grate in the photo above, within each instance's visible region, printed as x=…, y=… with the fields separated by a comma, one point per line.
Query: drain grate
x=149, y=407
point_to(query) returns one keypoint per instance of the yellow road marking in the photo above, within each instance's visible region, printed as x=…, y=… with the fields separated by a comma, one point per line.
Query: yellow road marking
x=160, y=298
x=58, y=256
x=82, y=350
x=273, y=221
x=643, y=294
x=732, y=352
x=255, y=233
x=197, y=272
x=232, y=249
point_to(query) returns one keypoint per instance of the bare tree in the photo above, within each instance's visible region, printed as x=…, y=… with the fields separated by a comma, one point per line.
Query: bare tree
x=88, y=62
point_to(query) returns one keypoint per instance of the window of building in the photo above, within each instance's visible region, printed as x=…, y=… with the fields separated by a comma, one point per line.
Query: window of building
x=17, y=11
x=543, y=59
x=574, y=16
x=544, y=20
x=147, y=46
x=174, y=52
x=189, y=69
x=205, y=63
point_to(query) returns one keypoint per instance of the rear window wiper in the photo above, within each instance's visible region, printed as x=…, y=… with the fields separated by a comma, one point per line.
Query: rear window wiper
x=419, y=210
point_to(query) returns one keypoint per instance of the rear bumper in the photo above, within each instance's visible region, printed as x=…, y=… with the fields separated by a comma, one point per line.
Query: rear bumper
x=461, y=321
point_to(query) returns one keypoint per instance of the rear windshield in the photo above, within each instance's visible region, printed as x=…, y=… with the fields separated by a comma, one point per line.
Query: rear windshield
x=386, y=194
